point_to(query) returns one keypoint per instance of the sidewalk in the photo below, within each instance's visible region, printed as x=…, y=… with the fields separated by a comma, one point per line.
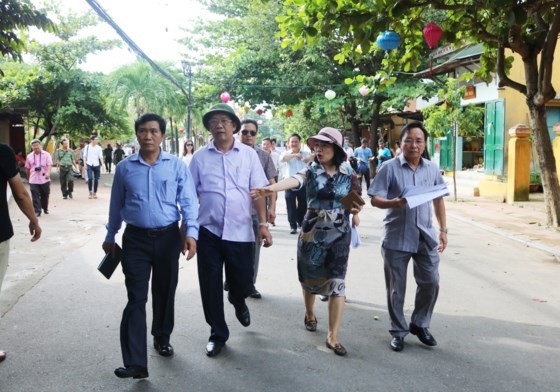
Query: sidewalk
x=521, y=221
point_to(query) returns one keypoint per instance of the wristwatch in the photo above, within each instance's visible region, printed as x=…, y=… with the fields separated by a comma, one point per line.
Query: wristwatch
x=443, y=229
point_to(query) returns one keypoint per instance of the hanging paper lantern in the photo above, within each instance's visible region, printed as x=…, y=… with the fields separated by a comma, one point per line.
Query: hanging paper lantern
x=181, y=130
x=260, y=122
x=289, y=113
x=432, y=34
x=388, y=40
x=225, y=97
x=259, y=111
x=329, y=94
x=274, y=111
x=363, y=91
x=246, y=109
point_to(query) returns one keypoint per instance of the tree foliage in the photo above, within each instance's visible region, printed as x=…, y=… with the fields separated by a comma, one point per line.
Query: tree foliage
x=529, y=28
x=18, y=16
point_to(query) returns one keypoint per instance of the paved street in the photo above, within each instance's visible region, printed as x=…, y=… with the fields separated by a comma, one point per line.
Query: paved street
x=496, y=321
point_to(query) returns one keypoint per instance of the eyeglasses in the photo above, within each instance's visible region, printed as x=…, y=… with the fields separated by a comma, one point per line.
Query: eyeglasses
x=246, y=132
x=189, y=145
x=214, y=122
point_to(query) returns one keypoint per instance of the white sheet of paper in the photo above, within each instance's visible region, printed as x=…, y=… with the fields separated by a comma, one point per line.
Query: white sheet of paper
x=418, y=195
x=355, y=237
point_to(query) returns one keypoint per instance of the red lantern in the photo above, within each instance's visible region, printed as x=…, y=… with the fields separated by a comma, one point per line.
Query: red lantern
x=259, y=111
x=181, y=130
x=289, y=113
x=432, y=34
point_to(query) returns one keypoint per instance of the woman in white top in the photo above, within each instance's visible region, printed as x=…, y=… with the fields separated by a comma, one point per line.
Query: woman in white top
x=188, y=150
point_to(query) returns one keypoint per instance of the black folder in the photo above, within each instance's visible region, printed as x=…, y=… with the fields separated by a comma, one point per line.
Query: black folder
x=110, y=263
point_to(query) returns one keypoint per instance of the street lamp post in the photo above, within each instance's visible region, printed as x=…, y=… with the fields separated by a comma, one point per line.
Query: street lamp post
x=187, y=71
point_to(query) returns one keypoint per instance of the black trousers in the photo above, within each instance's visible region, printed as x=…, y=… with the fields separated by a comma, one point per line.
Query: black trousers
x=213, y=254
x=144, y=253
x=66, y=180
x=40, y=196
x=296, y=204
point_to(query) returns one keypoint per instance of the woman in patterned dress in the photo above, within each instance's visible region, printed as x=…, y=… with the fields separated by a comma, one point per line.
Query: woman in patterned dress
x=324, y=240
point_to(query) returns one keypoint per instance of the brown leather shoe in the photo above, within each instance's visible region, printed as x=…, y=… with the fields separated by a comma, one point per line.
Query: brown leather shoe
x=310, y=325
x=2, y=356
x=337, y=348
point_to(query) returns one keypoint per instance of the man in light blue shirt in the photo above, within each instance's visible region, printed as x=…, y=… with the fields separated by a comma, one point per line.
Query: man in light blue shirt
x=363, y=154
x=296, y=199
x=224, y=171
x=152, y=190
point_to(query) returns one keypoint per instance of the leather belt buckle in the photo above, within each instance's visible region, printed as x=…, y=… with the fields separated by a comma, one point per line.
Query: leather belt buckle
x=153, y=233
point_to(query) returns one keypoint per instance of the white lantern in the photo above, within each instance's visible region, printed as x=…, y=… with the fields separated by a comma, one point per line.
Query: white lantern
x=329, y=94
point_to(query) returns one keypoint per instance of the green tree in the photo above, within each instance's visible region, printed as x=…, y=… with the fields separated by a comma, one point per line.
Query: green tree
x=18, y=16
x=529, y=28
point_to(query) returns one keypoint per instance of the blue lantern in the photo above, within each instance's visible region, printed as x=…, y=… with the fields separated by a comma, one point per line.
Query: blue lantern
x=388, y=40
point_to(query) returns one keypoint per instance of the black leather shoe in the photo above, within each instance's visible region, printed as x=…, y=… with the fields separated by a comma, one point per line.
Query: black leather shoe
x=163, y=349
x=423, y=335
x=131, y=371
x=214, y=348
x=243, y=315
x=293, y=231
x=255, y=294
x=397, y=343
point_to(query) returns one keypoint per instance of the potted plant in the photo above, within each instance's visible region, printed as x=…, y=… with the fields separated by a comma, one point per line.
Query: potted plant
x=535, y=182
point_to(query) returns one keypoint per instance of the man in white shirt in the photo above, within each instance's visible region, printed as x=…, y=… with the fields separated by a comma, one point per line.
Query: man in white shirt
x=93, y=159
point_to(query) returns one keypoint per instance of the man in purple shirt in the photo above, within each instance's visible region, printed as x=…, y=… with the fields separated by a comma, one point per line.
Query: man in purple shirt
x=224, y=172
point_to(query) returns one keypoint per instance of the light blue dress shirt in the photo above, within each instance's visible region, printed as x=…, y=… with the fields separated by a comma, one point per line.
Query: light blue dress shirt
x=152, y=196
x=295, y=165
x=223, y=182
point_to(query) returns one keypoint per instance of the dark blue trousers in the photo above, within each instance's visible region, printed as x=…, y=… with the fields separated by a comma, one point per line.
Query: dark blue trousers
x=142, y=255
x=213, y=254
x=296, y=204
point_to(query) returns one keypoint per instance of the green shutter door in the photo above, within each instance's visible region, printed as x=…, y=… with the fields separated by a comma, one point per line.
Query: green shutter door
x=494, y=123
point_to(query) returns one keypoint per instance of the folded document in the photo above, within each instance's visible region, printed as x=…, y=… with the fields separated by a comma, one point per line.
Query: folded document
x=417, y=195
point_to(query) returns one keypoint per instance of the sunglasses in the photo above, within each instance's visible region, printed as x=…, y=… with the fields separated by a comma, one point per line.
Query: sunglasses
x=189, y=145
x=246, y=132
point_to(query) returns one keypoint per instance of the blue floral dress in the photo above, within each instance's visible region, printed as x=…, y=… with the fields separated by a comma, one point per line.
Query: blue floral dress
x=324, y=240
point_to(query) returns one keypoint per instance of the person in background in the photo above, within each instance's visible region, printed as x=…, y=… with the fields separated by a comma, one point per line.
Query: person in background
x=324, y=240
x=93, y=158
x=224, y=171
x=397, y=150
x=249, y=131
x=152, y=240
x=363, y=155
x=296, y=199
x=65, y=161
x=38, y=167
x=188, y=151
x=108, y=157
x=118, y=154
x=9, y=174
x=275, y=155
x=409, y=233
x=383, y=153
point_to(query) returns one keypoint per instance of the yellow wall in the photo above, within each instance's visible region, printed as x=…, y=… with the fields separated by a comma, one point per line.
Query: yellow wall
x=516, y=108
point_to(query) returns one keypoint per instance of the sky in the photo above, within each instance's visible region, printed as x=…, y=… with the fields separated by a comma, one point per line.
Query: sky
x=154, y=25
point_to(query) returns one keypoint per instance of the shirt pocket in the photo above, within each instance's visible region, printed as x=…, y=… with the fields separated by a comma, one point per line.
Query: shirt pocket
x=168, y=191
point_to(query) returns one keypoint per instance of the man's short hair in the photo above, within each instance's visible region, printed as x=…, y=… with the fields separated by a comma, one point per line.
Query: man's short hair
x=35, y=141
x=143, y=119
x=295, y=135
x=365, y=140
x=267, y=139
x=93, y=137
x=273, y=140
x=250, y=121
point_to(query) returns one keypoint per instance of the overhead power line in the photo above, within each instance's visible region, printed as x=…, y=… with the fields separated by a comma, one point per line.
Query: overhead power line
x=132, y=45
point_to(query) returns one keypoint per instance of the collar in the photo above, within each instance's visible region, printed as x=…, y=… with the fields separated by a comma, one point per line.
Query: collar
x=236, y=144
x=403, y=160
x=163, y=156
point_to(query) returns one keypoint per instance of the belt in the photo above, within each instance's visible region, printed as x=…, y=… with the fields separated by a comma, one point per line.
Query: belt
x=65, y=165
x=152, y=233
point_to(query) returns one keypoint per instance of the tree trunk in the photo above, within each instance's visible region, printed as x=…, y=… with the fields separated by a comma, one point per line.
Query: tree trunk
x=547, y=164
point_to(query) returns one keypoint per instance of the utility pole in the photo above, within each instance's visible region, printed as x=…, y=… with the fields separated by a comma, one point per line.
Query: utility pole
x=187, y=71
